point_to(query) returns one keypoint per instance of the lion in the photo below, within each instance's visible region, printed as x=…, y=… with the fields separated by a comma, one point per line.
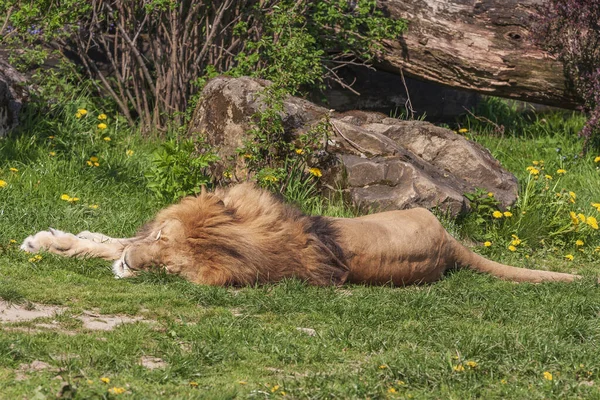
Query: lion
x=244, y=235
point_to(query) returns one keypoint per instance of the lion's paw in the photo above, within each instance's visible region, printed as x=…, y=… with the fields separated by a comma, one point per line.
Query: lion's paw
x=45, y=240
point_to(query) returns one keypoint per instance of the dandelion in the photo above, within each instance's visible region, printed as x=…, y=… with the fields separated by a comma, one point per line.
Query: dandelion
x=487, y=244
x=35, y=258
x=105, y=379
x=299, y=151
x=400, y=383
x=117, y=390
x=274, y=388
x=490, y=194
x=508, y=214
x=591, y=221
x=471, y=364
x=247, y=156
x=569, y=257
x=89, y=163
x=193, y=384
x=129, y=153
x=65, y=197
x=458, y=368
x=547, y=376
x=574, y=218
x=596, y=206
x=242, y=382
x=106, y=139
x=391, y=390
x=581, y=217
x=51, y=137
x=534, y=162
x=12, y=241
x=94, y=159
x=497, y=214
x=3, y=183
x=82, y=111
x=93, y=206
x=52, y=153
x=463, y=130
x=102, y=117
x=316, y=172
x=533, y=171
x=270, y=178
x=549, y=177
x=573, y=197
x=102, y=126
x=512, y=248
x=503, y=381
x=579, y=243
x=561, y=171
x=13, y=170
x=515, y=242
x=597, y=159
x=78, y=115
x=382, y=366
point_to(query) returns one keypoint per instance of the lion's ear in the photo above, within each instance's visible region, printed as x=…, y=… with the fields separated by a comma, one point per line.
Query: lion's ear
x=327, y=268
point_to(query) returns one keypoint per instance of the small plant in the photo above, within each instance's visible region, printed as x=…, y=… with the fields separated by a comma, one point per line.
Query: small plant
x=179, y=168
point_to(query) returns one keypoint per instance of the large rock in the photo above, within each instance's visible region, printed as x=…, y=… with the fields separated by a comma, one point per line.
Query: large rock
x=380, y=162
x=13, y=94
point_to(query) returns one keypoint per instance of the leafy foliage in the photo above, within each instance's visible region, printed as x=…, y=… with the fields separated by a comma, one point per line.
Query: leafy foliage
x=570, y=29
x=179, y=168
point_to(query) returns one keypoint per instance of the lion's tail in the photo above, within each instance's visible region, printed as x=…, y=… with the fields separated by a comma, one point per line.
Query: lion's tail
x=468, y=259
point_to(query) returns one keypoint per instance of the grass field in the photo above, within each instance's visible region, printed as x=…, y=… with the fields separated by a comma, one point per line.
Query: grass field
x=467, y=336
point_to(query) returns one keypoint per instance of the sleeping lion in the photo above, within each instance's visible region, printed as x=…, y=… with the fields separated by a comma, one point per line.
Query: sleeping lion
x=245, y=236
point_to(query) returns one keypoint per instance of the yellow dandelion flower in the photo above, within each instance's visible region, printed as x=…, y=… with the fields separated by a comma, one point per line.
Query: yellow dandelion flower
x=391, y=390
x=561, y=171
x=93, y=206
x=463, y=130
x=102, y=126
x=574, y=218
x=78, y=115
x=52, y=153
x=471, y=364
x=549, y=177
x=597, y=159
x=497, y=214
x=193, y=384
x=65, y=197
x=573, y=195
x=487, y=244
x=316, y=172
x=102, y=117
x=400, y=383
x=129, y=153
x=247, y=156
x=570, y=257
x=105, y=379
x=13, y=169
x=89, y=163
x=82, y=111
x=12, y=241
x=490, y=194
x=596, y=206
x=3, y=183
x=591, y=221
x=117, y=390
x=458, y=368
x=547, y=376
x=515, y=242
x=51, y=137
x=512, y=248
x=503, y=381
x=299, y=151
x=581, y=217
x=270, y=178
x=106, y=139
x=535, y=162
x=508, y=214
x=579, y=243
x=382, y=366
x=73, y=199
x=534, y=171
x=94, y=159
x=242, y=382
x=274, y=388
x=96, y=164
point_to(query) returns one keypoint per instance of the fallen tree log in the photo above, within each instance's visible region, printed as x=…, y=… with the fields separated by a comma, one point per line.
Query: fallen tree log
x=480, y=45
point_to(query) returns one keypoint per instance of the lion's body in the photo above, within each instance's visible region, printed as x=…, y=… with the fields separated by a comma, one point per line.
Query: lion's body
x=243, y=235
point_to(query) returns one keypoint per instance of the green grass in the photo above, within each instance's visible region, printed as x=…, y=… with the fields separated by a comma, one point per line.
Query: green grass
x=369, y=342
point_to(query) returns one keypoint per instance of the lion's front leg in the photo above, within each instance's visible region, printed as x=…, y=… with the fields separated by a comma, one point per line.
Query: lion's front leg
x=69, y=245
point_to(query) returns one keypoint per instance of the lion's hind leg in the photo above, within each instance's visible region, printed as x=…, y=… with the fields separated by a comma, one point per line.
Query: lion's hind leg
x=69, y=245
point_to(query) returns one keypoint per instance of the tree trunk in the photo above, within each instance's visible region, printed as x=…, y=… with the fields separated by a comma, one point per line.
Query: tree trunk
x=480, y=45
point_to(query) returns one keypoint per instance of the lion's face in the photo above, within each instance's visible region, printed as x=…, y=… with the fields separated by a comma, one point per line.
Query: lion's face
x=162, y=247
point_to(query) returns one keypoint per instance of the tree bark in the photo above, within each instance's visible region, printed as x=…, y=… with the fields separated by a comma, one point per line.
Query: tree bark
x=480, y=45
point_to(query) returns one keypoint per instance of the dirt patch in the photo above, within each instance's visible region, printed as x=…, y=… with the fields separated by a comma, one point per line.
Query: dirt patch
x=152, y=362
x=34, y=366
x=11, y=313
